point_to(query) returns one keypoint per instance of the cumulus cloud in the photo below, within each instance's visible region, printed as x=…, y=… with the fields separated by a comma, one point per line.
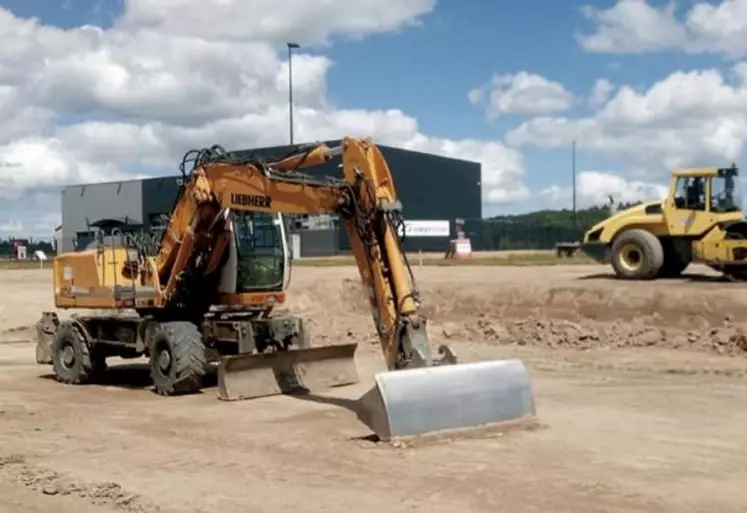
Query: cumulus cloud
x=273, y=21
x=91, y=104
x=595, y=188
x=35, y=215
x=686, y=119
x=525, y=94
x=601, y=92
x=636, y=26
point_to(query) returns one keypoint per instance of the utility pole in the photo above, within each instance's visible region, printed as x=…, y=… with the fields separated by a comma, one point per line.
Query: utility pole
x=573, y=171
x=291, y=46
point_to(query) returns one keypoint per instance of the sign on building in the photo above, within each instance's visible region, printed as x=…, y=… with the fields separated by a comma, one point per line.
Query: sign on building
x=427, y=228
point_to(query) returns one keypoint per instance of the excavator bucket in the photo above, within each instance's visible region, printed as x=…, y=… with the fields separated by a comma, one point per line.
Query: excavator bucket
x=248, y=376
x=415, y=402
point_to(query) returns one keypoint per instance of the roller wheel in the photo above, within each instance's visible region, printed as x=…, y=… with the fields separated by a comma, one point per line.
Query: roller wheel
x=637, y=255
x=177, y=358
x=71, y=356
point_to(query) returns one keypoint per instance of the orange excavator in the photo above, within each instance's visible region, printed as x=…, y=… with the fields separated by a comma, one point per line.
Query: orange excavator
x=206, y=292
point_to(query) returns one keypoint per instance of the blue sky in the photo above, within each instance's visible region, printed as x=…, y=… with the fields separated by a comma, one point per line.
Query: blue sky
x=427, y=70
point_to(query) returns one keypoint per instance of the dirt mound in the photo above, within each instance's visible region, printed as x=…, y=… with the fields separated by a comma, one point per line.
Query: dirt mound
x=576, y=318
x=554, y=317
x=727, y=339
x=334, y=311
x=339, y=297
x=660, y=307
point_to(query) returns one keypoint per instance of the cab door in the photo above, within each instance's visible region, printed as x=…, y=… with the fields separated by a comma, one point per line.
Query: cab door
x=688, y=212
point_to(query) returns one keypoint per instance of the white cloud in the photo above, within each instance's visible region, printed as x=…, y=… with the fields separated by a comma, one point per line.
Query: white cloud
x=11, y=226
x=601, y=92
x=274, y=21
x=526, y=94
x=632, y=26
x=635, y=26
x=594, y=188
x=34, y=163
x=90, y=104
x=687, y=119
x=35, y=215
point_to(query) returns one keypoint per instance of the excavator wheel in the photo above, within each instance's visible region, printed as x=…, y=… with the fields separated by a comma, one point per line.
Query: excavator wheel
x=177, y=358
x=73, y=360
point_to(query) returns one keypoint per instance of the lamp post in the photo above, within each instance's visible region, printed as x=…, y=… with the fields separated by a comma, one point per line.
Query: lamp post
x=573, y=171
x=291, y=46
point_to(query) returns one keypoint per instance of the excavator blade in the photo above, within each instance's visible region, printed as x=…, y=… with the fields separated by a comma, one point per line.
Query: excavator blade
x=248, y=376
x=414, y=402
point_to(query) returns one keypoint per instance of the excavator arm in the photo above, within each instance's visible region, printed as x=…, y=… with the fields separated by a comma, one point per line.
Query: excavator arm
x=364, y=198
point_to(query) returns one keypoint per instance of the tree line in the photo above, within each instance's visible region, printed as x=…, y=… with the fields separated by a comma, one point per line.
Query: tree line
x=563, y=219
x=6, y=247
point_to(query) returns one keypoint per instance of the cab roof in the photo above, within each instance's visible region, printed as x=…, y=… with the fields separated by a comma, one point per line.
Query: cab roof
x=705, y=171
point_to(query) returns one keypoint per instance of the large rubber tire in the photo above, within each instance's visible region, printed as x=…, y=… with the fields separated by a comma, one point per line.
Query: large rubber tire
x=637, y=255
x=675, y=262
x=71, y=356
x=178, y=361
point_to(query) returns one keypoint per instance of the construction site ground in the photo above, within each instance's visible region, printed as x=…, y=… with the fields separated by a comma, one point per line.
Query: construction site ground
x=640, y=391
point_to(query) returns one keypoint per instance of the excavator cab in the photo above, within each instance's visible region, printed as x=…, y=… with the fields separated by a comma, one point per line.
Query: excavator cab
x=258, y=256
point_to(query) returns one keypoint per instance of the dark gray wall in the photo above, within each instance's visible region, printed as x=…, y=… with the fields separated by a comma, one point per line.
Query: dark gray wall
x=319, y=243
x=430, y=187
x=83, y=204
x=159, y=195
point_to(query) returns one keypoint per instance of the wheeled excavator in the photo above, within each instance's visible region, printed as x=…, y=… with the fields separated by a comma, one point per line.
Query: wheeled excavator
x=207, y=292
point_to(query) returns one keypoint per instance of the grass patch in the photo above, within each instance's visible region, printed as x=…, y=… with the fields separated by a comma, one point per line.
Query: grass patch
x=10, y=265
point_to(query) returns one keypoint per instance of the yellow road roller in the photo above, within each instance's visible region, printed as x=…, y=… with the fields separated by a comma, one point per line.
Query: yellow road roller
x=700, y=220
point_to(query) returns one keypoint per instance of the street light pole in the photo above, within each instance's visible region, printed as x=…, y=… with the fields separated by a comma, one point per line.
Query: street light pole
x=573, y=170
x=291, y=46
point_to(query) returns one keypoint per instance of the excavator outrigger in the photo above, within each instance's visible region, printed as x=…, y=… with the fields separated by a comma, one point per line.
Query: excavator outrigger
x=223, y=263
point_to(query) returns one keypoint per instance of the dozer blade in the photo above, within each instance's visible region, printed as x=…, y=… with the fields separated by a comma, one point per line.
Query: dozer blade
x=418, y=401
x=248, y=376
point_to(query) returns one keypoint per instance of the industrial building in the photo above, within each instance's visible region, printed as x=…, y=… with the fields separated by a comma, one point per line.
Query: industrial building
x=434, y=191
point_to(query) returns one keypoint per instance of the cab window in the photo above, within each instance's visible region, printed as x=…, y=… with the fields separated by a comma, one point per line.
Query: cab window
x=725, y=194
x=260, y=250
x=690, y=194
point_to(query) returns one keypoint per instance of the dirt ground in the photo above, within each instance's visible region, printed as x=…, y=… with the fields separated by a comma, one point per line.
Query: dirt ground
x=640, y=395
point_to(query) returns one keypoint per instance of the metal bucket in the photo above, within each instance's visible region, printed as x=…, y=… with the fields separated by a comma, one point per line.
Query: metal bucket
x=450, y=397
x=249, y=376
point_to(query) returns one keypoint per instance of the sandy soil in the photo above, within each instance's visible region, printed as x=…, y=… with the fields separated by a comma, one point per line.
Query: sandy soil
x=639, y=387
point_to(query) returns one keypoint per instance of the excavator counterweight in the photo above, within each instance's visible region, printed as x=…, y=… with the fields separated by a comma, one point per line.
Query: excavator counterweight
x=207, y=289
